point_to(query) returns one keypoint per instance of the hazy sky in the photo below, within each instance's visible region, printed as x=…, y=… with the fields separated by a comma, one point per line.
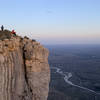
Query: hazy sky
x=53, y=21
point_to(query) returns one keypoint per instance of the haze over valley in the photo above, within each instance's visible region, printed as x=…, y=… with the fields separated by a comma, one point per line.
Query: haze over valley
x=75, y=72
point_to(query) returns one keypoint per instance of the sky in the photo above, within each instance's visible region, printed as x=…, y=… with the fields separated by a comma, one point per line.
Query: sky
x=53, y=21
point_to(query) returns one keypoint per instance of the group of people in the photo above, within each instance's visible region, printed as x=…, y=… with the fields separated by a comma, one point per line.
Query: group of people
x=12, y=32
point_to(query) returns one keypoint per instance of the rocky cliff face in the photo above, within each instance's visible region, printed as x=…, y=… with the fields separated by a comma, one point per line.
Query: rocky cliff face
x=24, y=70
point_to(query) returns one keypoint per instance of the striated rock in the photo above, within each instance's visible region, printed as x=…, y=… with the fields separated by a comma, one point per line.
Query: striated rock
x=24, y=70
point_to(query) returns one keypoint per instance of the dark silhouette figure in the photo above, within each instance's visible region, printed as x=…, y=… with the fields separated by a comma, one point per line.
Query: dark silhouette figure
x=2, y=28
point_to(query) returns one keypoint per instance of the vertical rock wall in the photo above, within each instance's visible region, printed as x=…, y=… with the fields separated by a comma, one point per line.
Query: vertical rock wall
x=24, y=70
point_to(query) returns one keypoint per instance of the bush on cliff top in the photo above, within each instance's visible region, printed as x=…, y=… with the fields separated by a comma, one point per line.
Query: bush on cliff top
x=6, y=34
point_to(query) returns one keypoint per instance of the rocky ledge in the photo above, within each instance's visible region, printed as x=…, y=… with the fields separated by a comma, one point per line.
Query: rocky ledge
x=24, y=69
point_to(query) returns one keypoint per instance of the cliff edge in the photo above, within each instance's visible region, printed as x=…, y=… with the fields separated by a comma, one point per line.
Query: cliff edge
x=24, y=69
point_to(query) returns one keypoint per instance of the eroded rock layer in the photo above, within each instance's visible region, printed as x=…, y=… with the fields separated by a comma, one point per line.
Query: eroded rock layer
x=24, y=70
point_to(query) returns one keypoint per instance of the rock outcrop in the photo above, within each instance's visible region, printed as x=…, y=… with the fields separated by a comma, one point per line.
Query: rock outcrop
x=24, y=69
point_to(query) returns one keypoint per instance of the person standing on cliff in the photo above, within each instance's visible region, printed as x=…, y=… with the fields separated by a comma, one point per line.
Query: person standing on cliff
x=2, y=28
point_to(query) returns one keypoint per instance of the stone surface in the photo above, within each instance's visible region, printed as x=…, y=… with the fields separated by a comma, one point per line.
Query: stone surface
x=24, y=70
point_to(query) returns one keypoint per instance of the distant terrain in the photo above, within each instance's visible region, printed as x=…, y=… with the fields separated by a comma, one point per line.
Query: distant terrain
x=83, y=62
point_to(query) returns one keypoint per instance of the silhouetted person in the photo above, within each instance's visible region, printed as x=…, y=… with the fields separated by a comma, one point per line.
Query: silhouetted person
x=2, y=28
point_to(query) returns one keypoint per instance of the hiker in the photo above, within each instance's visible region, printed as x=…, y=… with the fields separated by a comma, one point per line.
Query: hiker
x=13, y=32
x=2, y=28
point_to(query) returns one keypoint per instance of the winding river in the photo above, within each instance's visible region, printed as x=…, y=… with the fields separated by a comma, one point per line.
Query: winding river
x=67, y=76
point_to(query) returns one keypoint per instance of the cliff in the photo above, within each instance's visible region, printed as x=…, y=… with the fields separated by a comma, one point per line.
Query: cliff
x=24, y=69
